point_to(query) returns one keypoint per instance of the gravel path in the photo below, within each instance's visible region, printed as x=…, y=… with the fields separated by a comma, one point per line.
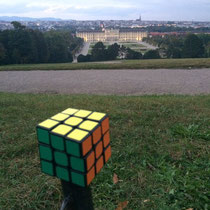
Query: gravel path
x=149, y=46
x=83, y=51
x=120, y=82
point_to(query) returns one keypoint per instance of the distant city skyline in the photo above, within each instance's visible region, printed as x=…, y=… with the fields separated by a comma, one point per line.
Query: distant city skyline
x=173, y=10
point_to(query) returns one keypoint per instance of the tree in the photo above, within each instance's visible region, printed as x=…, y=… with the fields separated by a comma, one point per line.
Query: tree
x=17, y=25
x=98, y=52
x=23, y=45
x=2, y=53
x=152, y=54
x=173, y=52
x=193, y=47
x=122, y=52
x=208, y=50
x=131, y=54
x=205, y=38
x=176, y=53
x=58, y=47
x=40, y=45
x=20, y=43
x=83, y=58
x=113, y=51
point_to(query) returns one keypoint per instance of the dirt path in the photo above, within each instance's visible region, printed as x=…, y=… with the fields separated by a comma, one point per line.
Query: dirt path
x=120, y=82
x=149, y=46
x=83, y=51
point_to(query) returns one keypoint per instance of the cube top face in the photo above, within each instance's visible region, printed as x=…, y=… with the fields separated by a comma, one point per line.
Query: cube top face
x=78, y=135
x=82, y=113
x=62, y=130
x=70, y=111
x=74, y=145
x=96, y=116
x=73, y=121
x=88, y=125
x=48, y=124
x=60, y=117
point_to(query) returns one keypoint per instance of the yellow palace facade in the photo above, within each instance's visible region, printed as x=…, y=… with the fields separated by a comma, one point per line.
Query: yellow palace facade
x=120, y=35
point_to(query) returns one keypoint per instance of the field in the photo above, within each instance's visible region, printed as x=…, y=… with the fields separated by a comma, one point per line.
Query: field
x=135, y=46
x=126, y=64
x=160, y=147
x=106, y=44
x=132, y=45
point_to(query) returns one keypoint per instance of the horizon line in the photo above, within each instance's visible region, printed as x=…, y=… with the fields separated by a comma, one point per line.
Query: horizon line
x=62, y=19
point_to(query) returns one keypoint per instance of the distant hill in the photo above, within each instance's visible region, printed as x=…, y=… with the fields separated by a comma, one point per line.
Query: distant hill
x=15, y=18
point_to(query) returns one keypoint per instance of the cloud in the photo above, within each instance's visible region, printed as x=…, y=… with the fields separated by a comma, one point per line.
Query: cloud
x=104, y=13
x=14, y=9
x=109, y=9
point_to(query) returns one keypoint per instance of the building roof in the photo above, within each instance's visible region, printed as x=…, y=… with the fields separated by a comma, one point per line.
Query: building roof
x=120, y=30
x=90, y=31
x=131, y=30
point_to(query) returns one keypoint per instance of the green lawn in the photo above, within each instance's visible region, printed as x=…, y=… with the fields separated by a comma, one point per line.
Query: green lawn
x=133, y=45
x=160, y=147
x=140, y=50
x=126, y=64
x=136, y=47
x=89, y=51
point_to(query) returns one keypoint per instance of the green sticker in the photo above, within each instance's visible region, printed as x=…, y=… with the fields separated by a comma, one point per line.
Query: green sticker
x=45, y=152
x=77, y=164
x=78, y=179
x=61, y=158
x=47, y=167
x=43, y=136
x=62, y=173
x=72, y=148
x=57, y=142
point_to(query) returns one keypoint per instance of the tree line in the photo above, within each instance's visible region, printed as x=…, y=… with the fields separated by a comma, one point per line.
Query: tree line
x=99, y=52
x=22, y=46
x=182, y=46
x=177, y=29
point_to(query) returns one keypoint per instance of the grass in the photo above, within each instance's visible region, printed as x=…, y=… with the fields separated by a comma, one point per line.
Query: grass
x=140, y=50
x=133, y=45
x=160, y=148
x=106, y=44
x=126, y=64
x=89, y=51
x=136, y=47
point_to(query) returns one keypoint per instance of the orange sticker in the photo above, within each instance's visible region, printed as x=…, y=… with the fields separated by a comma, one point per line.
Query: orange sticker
x=106, y=139
x=105, y=125
x=99, y=149
x=90, y=160
x=90, y=175
x=107, y=153
x=99, y=164
x=86, y=146
x=97, y=135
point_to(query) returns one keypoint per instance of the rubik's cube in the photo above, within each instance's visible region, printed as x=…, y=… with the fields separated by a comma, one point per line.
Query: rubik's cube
x=74, y=145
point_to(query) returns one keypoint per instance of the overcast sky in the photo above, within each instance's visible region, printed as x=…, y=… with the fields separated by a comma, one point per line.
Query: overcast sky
x=109, y=9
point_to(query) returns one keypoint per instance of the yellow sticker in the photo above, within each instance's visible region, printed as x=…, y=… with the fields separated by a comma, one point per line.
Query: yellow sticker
x=82, y=113
x=48, y=123
x=62, y=129
x=73, y=121
x=96, y=116
x=77, y=135
x=88, y=125
x=70, y=111
x=60, y=117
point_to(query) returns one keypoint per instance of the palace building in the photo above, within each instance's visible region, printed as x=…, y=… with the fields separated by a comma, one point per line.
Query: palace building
x=119, y=35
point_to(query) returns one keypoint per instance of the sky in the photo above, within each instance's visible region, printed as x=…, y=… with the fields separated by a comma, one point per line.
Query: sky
x=177, y=10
